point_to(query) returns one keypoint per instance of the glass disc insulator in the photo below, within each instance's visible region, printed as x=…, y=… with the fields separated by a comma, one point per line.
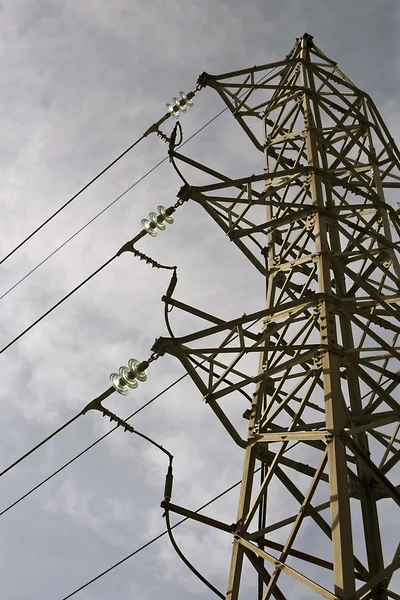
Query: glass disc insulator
x=186, y=99
x=147, y=226
x=128, y=377
x=133, y=365
x=119, y=384
x=163, y=211
x=155, y=218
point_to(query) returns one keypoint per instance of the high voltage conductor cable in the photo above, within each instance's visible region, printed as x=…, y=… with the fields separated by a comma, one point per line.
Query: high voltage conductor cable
x=115, y=200
x=152, y=541
x=157, y=222
x=175, y=109
x=32, y=450
x=166, y=505
x=82, y=228
x=32, y=325
x=72, y=460
x=128, y=377
x=97, y=215
x=134, y=373
x=85, y=187
x=186, y=561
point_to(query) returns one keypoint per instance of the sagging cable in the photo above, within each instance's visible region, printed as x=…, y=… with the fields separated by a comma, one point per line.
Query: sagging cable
x=180, y=553
x=172, y=283
x=174, y=144
x=169, y=479
x=167, y=310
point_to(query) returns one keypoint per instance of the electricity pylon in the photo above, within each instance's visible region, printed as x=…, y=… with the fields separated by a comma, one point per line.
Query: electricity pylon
x=318, y=225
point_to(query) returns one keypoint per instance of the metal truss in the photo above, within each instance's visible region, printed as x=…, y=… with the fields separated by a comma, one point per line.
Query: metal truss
x=322, y=404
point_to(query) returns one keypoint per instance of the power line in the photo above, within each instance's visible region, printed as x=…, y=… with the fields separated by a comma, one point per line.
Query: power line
x=84, y=227
x=85, y=187
x=152, y=129
x=128, y=246
x=32, y=325
x=163, y=533
x=14, y=464
x=186, y=561
x=97, y=215
x=91, y=221
x=197, y=365
x=157, y=537
x=36, y=487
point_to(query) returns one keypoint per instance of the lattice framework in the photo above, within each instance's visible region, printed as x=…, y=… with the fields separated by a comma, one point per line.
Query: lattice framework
x=318, y=223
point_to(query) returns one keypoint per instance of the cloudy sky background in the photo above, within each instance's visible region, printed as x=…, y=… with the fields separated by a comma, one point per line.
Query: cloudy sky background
x=80, y=82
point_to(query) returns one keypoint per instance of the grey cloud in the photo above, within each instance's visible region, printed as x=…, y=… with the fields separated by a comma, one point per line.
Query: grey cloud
x=80, y=81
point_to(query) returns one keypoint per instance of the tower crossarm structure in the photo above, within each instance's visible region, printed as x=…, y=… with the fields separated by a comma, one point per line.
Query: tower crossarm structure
x=315, y=371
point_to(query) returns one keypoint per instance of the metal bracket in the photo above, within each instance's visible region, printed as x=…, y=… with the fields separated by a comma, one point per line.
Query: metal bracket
x=96, y=404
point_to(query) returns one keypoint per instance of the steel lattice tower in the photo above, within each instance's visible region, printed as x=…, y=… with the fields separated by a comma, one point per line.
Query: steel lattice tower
x=322, y=406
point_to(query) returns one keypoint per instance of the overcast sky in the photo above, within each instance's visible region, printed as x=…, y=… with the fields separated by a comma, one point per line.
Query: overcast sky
x=80, y=81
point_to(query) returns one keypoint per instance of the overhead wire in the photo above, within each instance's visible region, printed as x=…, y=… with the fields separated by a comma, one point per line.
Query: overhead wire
x=111, y=203
x=186, y=561
x=32, y=325
x=94, y=403
x=36, y=487
x=169, y=528
x=165, y=504
x=173, y=143
x=85, y=187
x=83, y=227
x=157, y=537
x=167, y=495
x=60, y=302
x=169, y=477
x=102, y=266
x=32, y=450
x=150, y=542
x=97, y=215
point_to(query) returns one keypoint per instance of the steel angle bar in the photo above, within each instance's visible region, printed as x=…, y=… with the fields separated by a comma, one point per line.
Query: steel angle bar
x=377, y=474
x=296, y=525
x=288, y=570
x=292, y=436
